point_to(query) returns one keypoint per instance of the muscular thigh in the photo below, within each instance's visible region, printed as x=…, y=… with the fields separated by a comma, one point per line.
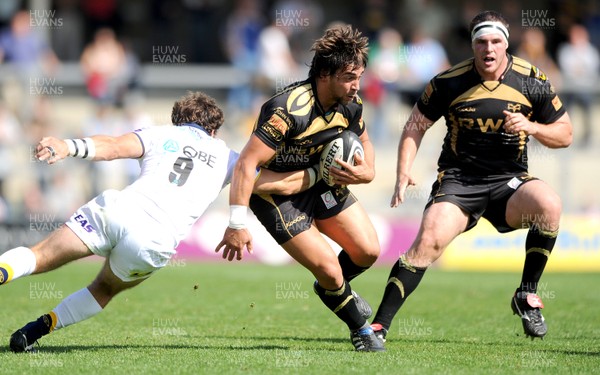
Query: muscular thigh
x=441, y=223
x=60, y=247
x=310, y=249
x=534, y=203
x=353, y=230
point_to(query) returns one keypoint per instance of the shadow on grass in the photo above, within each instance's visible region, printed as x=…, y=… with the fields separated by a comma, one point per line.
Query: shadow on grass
x=573, y=352
x=42, y=349
x=520, y=342
x=218, y=345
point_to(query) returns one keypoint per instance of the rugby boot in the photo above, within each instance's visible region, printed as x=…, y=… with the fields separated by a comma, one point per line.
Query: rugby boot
x=364, y=340
x=527, y=306
x=24, y=339
x=380, y=332
x=363, y=306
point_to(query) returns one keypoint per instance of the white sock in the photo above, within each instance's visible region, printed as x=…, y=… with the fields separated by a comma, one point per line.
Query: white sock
x=75, y=308
x=15, y=263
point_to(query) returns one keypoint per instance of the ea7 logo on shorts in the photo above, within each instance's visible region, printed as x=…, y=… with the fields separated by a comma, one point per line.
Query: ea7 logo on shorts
x=84, y=223
x=328, y=199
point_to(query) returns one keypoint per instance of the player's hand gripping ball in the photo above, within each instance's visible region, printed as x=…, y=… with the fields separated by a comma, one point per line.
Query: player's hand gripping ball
x=344, y=147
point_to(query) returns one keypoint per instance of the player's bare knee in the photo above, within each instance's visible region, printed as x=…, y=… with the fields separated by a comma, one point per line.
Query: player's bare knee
x=551, y=210
x=367, y=256
x=430, y=246
x=554, y=208
x=330, y=275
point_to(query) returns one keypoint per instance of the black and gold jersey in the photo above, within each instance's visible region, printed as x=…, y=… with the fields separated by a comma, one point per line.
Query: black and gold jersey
x=476, y=142
x=295, y=125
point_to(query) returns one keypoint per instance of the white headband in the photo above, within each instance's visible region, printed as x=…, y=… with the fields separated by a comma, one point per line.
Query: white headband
x=489, y=27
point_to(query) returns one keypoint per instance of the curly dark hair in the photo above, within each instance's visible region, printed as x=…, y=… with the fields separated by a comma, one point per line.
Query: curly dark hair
x=488, y=15
x=340, y=47
x=198, y=108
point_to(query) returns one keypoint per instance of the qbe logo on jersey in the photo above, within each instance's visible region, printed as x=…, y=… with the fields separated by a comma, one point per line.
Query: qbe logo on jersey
x=328, y=199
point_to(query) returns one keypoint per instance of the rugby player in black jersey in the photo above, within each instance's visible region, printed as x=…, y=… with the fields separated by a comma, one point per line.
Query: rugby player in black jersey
x=292, y=128
x=492, y=104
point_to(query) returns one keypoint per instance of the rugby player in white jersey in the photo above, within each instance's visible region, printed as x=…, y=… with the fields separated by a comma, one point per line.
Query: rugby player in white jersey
x=183, y=169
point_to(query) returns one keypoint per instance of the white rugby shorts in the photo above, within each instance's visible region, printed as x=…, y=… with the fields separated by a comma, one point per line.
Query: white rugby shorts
x=113, y=227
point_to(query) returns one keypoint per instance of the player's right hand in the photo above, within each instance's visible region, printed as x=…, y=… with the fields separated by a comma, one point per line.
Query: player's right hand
x=233, y=243
x=51, y=150
x=402, y=182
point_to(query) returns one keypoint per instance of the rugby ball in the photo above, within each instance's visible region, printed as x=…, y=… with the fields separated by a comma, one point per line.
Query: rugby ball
x=344, y=147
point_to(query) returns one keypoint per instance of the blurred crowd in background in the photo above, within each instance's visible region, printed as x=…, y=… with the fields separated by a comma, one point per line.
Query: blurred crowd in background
x=106, y=44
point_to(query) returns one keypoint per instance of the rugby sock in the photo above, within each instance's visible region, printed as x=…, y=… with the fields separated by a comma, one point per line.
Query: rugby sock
x=349, y=269
x=16, y=263
x=342, y=303
x=404, y=279
x=538, y=246
x=78, y=306
x=75, y=308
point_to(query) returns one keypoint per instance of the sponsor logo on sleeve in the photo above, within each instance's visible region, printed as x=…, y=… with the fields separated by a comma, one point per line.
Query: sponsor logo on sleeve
x=427, y=93
x=278, y=123
x=272, y=131
x=556, y=103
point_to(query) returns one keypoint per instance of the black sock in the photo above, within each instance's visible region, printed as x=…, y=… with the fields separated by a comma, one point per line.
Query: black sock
x=403, y=280
x=342, y=303
x=349, y=269
x=538, y=246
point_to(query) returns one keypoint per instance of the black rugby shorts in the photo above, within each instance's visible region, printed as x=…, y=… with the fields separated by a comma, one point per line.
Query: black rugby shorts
x=485, y=196
x=285, y=216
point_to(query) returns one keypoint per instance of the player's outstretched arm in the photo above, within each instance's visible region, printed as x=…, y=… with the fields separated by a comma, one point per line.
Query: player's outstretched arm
x=98, y=147
x=236, y=236
x=412, y=135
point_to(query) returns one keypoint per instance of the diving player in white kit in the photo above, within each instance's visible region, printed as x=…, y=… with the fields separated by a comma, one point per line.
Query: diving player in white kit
x=183, y=169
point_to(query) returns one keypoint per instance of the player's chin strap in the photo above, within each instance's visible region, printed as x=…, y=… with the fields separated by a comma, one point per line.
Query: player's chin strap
x=81, y=148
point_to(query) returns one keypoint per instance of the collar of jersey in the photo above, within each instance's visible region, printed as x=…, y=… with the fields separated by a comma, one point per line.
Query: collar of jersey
x=194, y=125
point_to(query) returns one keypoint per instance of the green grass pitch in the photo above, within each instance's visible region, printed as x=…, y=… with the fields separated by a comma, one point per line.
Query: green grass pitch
x=246, y=318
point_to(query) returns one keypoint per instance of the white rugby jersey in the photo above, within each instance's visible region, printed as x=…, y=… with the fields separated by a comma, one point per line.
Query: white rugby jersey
x=183, y=169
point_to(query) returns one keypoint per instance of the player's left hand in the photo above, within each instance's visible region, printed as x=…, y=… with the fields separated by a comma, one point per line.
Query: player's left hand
x=360, y=173
x=514, y=123
x=51, y=150
x=233, y=243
